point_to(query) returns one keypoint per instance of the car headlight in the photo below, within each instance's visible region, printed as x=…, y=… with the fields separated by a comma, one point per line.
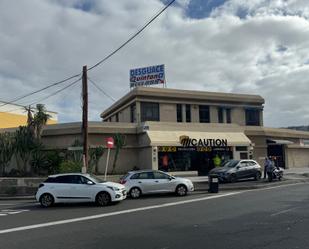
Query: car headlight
x=113, y=188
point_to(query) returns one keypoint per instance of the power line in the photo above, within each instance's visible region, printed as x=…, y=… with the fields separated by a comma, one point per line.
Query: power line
x=97, y=64
x=101, y=90
x=48, y=96
x=133, y=36
x=40, y=90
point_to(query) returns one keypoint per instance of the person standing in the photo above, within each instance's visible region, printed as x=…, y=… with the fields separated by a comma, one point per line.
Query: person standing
x=267, y=164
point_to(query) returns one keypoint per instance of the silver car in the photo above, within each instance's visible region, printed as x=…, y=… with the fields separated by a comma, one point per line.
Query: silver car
x=154, y=181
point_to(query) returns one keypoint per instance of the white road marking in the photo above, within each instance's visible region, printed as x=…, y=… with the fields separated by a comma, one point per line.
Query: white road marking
x=283, y=211
x=5, y=212
x=54, y=223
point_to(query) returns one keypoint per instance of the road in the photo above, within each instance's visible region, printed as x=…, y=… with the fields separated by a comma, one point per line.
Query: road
x=275, y=217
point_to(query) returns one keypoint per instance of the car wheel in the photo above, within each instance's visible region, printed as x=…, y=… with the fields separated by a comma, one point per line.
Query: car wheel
x=181, y=190
x=233, y=178
x=46, y=200
x=103, y=199
x=135, y=193
x=257, y=176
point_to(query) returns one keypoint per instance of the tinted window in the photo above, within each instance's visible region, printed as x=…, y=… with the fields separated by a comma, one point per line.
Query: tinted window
x=146, y=175
x=135, y=176
x=231, y=164
x=188, y=113
x=220, y=115
x=228, y=116
x=51, y=179
x=133, y=113
x=159, y=175
x=179, y=113
x=204, y=114
x=253, y=117
x=64, y=179
x=150, y=112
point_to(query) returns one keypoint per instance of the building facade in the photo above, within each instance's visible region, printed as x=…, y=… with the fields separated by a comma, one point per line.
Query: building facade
x=179, y=130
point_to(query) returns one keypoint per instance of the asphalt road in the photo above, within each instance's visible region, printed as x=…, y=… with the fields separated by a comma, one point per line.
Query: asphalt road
x=277, y=217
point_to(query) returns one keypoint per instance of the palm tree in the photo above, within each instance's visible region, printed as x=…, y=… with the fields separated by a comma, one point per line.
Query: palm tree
x=30, y=120
x=39, y=120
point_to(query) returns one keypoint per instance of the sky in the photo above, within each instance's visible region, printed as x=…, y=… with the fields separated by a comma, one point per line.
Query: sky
x=234, y=46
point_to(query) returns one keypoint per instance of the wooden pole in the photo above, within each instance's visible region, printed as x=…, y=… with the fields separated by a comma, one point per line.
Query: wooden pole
x=85, y=120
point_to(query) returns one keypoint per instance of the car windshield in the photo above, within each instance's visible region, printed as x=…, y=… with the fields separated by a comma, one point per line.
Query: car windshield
x=96, y=179
x=231, y=164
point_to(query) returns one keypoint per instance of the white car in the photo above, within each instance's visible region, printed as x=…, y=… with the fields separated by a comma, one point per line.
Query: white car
x=153, y=181
x=76, y=187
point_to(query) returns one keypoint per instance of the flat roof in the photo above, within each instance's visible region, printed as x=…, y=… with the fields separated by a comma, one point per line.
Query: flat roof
x=168, y=93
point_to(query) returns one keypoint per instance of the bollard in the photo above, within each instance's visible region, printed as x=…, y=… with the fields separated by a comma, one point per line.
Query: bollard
x=213, y=183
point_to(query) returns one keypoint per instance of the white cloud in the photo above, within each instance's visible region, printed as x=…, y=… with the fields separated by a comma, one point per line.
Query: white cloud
x=264, y=52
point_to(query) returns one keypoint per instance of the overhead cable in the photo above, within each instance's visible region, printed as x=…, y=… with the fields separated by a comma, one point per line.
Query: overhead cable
x=133, y=36
x=101, y=90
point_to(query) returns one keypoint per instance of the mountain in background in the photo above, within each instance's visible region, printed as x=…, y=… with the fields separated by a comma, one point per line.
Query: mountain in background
x=299, y=128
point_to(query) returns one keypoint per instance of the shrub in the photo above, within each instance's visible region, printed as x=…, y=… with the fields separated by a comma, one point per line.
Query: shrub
x=70, y=167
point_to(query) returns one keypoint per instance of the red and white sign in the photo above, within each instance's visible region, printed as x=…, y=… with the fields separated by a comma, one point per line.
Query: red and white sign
x=110, y=142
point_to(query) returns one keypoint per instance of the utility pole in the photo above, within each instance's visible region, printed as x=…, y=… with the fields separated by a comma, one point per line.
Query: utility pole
x=85, y=120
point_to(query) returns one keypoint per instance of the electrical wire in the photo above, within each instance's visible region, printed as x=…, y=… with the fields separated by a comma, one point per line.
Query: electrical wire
x=101, y=90
x=98, y=63
x=46, y=97
x=40, y=90
x=133, y=36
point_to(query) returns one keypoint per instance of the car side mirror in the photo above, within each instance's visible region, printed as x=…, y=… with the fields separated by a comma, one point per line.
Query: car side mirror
x=238, y=167
x=170, y=178
x=90, y=183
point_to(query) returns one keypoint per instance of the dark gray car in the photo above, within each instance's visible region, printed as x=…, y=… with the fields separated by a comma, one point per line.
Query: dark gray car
x=234, y=170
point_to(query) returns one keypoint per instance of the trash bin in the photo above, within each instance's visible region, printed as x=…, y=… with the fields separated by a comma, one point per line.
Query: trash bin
x=213, y=183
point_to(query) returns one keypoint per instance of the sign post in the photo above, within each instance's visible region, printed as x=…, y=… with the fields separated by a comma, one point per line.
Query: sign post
x=109, y=144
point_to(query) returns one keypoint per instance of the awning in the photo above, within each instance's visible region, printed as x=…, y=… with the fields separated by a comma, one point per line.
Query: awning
x=278, y=141
x=172, y=138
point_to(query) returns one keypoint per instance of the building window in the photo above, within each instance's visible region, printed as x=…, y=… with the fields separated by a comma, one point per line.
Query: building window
x=117, y=117
x=253, y=117
x=150, y=111
x=188, y=113
x=133, y=113
x=179, y=113
x=228, y=116
x=220, y=115
x=204, y=114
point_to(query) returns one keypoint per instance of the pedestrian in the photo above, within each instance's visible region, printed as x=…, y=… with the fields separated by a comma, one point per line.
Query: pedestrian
x=267, y=164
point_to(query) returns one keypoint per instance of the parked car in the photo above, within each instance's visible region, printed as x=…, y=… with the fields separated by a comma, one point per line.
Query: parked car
x=75, y=187
x=234, y=170
x=153, y=181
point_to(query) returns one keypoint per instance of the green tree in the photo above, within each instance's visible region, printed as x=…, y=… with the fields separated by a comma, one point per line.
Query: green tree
x=95, y=155
x=6, y=150
x=39, y=120
x=24, y=144
x=119, y=141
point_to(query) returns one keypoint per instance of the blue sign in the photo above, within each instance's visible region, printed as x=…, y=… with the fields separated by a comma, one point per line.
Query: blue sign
x=147, y=76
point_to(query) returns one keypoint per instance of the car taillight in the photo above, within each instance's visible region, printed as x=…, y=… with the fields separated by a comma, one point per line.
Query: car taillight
x=41, y=185
x=122, y=181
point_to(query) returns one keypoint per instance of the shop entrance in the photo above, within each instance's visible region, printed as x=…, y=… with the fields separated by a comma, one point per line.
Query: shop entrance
x=276, y=151
x=201, y=159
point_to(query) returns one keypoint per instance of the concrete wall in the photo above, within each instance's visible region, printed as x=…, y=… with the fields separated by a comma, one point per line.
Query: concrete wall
x=213, y=113
x=127, y=160
x=297, y=157
x=125, y=115
x=195, y=115
x=168, y=112
x=238, y=116
x=145, y=158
